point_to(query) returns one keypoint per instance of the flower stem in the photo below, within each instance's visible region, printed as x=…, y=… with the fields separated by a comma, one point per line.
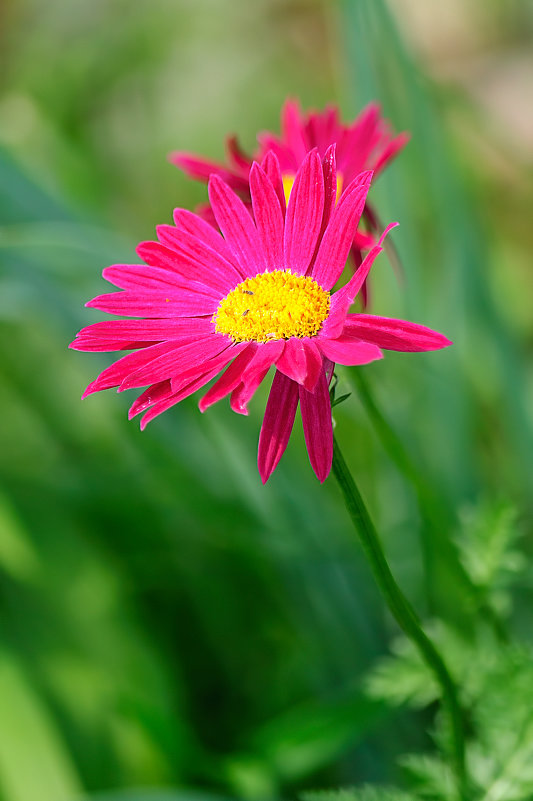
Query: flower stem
x=400, y=607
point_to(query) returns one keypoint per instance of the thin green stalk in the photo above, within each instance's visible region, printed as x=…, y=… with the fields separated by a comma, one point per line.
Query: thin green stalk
x=400, y=607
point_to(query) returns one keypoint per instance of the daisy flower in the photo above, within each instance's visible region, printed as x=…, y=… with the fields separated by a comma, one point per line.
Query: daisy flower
x=254, y=294
x=367, y=143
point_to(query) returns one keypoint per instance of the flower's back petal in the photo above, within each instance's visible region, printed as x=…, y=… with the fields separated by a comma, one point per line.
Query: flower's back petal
x=338, y=237
x=304, y=214
x=230, y=379
x=201, y=169
x=343, y=299
x=391, y=151
x=264, y=357
x=394, y=334
x=270, y=165
x=292, y=130
x=318, y=429
x=301, y=360
x=237, y=226
x=277, y=424
x=185, y=356
x=349, y=350
x=268, y=218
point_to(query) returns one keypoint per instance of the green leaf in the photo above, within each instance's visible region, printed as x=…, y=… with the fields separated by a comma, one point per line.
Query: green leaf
x=366, y=793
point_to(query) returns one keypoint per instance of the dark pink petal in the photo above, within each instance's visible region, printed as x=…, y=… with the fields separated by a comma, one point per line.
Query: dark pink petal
x=200, y=169
x=338, y=237
x=153, y=394
x=343, y=299
x=156, y=305
x=358, y=141
x=237, y=226
x=185, y=356
x=229, y=379
x=287, y=160
x=277, y=424
x=205, y=230
x=304, y=214
x=270, y=165
x=241, y=162
x=329, y=169
x=394, y=334
x=318, y=429
x=268, y=218
x=349, y=350
x=115, y=374
x=302, y=361
x=264, y=357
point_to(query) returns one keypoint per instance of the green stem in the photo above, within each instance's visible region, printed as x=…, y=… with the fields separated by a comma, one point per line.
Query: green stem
x=400, y=607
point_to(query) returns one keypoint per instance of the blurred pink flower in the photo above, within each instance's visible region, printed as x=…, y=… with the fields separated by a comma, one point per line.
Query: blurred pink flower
x=255, y=295
x=367, y=143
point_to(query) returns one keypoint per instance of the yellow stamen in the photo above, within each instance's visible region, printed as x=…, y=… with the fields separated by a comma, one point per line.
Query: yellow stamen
x=276, y=305
x=288, y=182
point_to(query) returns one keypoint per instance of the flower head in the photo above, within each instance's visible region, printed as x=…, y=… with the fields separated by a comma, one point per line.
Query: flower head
x=256, y=294
x=365, y=144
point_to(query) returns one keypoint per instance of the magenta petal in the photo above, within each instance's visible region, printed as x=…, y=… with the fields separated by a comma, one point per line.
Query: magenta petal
x=153, y=394
x=329, y=169
x=349, y=350
x=277, y=424
x=264, y=357
x=292, y=129
x=304, y=214
x=150, y=304
x=318, y=429
x=204, y=230
x=343, y=299
x=268, y=218
x=186, y=355
x=237, y=226
x=145, y=330
x=301, y=360
x=217, y=363
x=117, y=372
x=394, y=334
x=201, y=169
x=338, y=236
x=142, y=277
x=229, y=379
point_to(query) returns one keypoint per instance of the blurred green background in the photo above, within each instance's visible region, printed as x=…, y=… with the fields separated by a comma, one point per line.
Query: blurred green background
x=165, y=621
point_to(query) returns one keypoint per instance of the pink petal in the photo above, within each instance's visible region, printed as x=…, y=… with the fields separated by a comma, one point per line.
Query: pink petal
x=190, y=257
x=263, y=359
x=270, y=165
x=301, y=360
x=343, y=299
x=119, y=331
x=185, y=356
x=391, y=150
x=277, y=424
x=141, y=276
x=115, y=374
x=204, y=230
x=153, y=394
x=338, y=237
x=330, y=185
x=216, y=363
x=394, y=334
x=304, y=214
x=237, y=226
x=134, y=304
x=349, y=350
x=229, y=379
x=292, y=130
x=238, y=157
x=268, y=218
x=318, y=429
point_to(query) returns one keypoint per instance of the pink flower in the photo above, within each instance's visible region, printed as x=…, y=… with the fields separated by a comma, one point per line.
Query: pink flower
x=255, y=295
x=367, y=143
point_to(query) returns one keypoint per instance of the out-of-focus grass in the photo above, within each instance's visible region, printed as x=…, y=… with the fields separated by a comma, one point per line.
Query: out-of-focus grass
x=165, y=619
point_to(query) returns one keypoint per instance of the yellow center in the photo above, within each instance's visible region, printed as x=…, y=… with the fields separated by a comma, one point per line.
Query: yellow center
x=288, y=182
x=276, y=305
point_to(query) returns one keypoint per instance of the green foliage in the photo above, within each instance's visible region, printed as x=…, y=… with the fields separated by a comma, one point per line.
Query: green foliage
x=359, y=794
